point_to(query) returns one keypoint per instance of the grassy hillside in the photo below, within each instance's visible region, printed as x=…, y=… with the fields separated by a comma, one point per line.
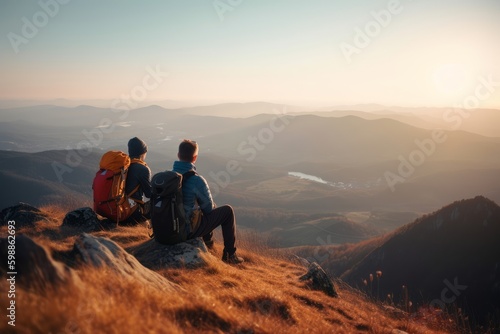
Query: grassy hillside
x=263, y=295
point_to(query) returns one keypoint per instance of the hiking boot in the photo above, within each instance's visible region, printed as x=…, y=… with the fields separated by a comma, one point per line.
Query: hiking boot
x=232, y=259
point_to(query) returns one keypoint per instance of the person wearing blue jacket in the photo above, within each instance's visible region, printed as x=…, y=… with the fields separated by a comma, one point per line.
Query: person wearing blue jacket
x=200, y=208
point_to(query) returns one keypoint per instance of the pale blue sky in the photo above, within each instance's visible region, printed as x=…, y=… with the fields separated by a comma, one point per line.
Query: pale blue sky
x=431, y=53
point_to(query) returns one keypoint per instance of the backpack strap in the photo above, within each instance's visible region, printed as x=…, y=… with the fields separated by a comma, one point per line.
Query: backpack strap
x=138, y=161
x=133, y=191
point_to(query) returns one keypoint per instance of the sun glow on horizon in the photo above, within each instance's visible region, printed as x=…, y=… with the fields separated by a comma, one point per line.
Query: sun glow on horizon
x=451, y=79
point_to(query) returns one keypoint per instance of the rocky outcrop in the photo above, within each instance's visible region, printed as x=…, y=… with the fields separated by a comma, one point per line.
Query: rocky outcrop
x=191, y=253
x=23, y=214
x=86, y=220
x=105, y=253
x=320, y=280
x=34, y=266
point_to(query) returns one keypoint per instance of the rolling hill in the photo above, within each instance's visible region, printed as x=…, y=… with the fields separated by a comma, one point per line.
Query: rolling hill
x=338, y=229
x=31, y=177
x=480, y=121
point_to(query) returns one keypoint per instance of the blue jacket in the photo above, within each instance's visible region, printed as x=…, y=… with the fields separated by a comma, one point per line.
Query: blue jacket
x=194, y=189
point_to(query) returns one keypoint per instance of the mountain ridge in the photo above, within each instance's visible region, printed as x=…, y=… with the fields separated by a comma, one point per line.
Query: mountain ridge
x=457, y=243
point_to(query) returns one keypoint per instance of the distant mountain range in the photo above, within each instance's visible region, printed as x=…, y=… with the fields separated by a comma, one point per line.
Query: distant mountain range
x=351, y=153
x=480, y=121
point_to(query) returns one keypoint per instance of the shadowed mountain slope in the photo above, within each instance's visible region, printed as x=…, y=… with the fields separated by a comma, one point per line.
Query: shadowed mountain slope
x=451, y=255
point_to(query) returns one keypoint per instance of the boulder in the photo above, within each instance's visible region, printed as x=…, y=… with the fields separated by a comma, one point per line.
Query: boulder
x=189, y=254
x=34, y=266
x=104, y=253
x=320, y=280
x=85, y=219
x=23, y=214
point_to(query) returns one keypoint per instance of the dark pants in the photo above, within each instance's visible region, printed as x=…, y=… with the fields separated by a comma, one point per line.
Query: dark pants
x=223, y=216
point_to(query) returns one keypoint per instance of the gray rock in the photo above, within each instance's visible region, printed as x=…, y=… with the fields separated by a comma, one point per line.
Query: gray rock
x=83, y=218
x=23, y=214
x=320, y=280
x=34, y=265
x=103, y=252
x=185, y=254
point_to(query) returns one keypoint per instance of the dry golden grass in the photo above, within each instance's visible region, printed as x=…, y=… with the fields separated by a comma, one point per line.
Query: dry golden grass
x=263, y=295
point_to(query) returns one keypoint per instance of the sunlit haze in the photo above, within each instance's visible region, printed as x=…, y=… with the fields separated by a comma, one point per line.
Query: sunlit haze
x=407, y=53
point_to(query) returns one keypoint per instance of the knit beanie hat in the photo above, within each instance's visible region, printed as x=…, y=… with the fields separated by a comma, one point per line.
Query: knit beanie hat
x=136, y=147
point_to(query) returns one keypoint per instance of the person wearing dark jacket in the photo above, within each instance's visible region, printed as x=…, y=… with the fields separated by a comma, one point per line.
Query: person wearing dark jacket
x=138, y=177
x=200, y=208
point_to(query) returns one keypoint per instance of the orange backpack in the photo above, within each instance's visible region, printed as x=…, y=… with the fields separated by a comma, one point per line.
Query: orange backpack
x=108, y=187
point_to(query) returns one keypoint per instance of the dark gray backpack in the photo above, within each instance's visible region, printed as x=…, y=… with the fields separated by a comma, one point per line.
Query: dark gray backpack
x=168, y=219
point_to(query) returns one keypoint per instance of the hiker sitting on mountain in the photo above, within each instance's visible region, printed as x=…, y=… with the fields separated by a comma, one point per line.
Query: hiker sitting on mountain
x=197, y=200
x=138, y=176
